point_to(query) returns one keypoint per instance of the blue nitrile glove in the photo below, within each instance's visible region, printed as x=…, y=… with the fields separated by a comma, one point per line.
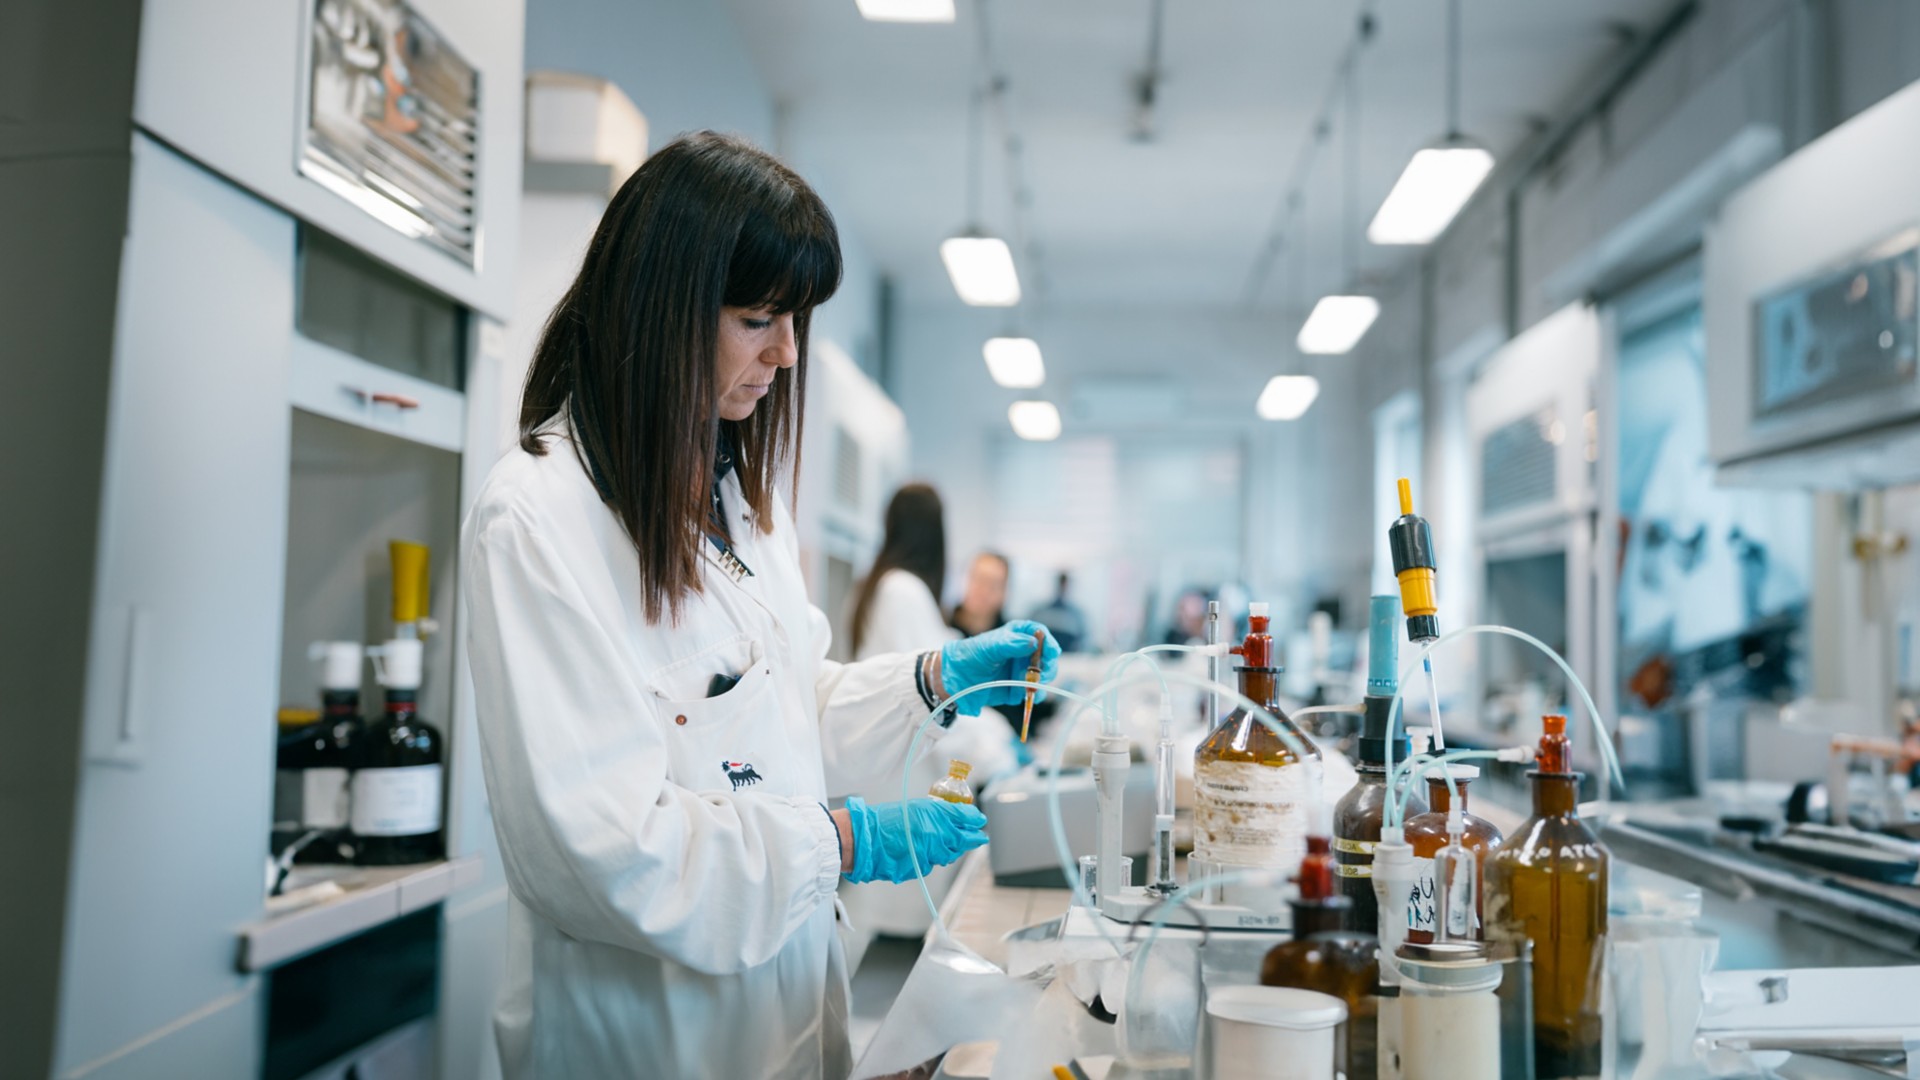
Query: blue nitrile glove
x=994, y=655
x=942, y=832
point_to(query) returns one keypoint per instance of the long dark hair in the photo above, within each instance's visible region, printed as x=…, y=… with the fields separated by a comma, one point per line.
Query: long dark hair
x=708, y=221
x=915, y=541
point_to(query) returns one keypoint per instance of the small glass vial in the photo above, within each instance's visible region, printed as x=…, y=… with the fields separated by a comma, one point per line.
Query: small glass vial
x=953, y=787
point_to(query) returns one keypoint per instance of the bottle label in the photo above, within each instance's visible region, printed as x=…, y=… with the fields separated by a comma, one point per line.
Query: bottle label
x=1420, y=913
x=324, y=798
x=1247, y=814
x=396, y=802
x=1348, y=856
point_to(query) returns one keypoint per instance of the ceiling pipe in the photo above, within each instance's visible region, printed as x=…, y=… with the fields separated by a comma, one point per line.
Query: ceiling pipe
x=1146, y=86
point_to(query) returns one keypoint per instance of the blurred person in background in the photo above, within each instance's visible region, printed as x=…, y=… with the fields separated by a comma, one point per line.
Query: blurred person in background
x=896, y=608
x=1189, y=619
x=1062, y=617
x=984, y=600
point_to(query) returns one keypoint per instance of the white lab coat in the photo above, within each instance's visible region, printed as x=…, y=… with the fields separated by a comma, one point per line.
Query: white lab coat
x=672, y=868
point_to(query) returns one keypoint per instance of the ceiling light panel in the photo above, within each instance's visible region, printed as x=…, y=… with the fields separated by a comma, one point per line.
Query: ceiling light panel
x=1015, y=362
x=911, y=11
x=982, y=270
x=1287, y=397
x=1035, y=421
x=1437, y=183
x=1337, y=324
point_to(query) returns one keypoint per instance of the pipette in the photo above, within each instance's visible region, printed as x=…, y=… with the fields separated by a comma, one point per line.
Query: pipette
x=1033, y=680
x=1410, y=540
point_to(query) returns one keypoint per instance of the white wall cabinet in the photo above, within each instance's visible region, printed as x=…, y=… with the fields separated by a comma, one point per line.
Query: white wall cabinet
x=175, y=797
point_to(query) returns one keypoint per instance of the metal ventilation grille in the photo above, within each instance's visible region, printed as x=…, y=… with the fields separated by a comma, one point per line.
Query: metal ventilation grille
x=1517, y=463
x=846, y=469
x=393, y=116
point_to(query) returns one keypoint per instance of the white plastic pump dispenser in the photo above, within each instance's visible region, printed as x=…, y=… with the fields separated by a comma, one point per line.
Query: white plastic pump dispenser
x=339, y=663
x=398, y=663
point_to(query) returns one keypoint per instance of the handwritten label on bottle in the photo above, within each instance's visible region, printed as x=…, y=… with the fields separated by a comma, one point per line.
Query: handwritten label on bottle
x=1420, y=914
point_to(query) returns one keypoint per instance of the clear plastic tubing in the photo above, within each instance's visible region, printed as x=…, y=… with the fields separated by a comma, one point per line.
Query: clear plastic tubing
x=1433, y=703
x=1069, y=865
x=1601, y=735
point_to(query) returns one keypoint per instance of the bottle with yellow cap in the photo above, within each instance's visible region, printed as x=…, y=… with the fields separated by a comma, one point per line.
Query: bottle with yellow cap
x=953, y=787
x=397, y=789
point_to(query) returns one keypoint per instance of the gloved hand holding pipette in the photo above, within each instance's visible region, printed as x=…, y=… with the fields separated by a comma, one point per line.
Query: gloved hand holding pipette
x=942, y=832
x=992, y=656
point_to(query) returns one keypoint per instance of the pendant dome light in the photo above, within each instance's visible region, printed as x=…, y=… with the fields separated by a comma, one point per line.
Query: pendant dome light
x=979, y=264
x=1441, y=177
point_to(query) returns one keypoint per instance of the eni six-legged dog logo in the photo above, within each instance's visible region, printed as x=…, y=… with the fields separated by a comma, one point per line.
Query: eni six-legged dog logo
x=740, y=773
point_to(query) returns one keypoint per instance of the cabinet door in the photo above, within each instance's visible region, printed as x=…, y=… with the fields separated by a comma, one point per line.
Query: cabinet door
x=176, y=793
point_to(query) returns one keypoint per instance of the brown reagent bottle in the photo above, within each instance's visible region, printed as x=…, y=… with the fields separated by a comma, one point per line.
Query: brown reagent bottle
x=1327, y=955
x=1427, y=834
x=1547, y=883
x=1250, y=788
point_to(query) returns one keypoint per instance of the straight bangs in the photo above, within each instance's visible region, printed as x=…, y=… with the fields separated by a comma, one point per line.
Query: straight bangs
x=787, y=260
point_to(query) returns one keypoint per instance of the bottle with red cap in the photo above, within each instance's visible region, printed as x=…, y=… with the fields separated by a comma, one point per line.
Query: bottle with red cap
x=1547, y=883
x=1251, y=790
x=1327, y=956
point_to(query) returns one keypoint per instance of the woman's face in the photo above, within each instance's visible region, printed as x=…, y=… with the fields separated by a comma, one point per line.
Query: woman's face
x=754, y=345
x=986, y=586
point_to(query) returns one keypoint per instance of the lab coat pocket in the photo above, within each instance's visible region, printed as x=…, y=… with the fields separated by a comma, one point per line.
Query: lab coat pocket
x=734, y=740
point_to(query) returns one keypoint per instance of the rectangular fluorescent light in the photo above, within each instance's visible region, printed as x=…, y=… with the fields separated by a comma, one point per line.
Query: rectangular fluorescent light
x=1337, y=324
x=920, y=11
x=1287, y=397
x=1015, y=362
x=1437, y=183
x=982, y=270
x=1035, y=421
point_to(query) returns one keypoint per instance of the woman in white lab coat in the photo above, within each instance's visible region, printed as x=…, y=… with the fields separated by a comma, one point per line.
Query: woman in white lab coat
x=660, y=731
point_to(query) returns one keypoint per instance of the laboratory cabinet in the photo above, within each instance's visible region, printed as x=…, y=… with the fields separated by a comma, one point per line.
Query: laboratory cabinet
x=175, y=790
x=244, y=514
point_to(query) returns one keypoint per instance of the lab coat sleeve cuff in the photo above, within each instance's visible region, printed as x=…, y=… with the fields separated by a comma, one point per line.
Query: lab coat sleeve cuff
x=826, y=844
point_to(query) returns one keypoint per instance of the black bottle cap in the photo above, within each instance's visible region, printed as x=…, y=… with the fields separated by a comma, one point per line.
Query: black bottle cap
x=1372, y=745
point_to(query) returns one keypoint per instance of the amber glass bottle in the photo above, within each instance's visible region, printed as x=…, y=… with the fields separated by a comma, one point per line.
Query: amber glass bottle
x=1428, y=834
x=1327, y=956
x=1250, y=789
x=1548, y=883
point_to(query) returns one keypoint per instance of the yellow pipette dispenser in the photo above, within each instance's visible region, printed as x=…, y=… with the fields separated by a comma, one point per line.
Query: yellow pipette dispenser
x=410, y=581
x=1410, y=540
